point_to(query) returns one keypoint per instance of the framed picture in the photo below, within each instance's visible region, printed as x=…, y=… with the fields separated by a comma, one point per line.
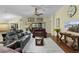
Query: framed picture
x=14, y=25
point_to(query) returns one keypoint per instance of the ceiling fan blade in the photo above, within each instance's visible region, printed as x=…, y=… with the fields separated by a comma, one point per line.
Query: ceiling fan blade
x=39, y=14
x=36, y=10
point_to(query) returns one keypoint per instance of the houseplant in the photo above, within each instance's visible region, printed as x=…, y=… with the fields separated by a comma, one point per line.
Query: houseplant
x=57, y=31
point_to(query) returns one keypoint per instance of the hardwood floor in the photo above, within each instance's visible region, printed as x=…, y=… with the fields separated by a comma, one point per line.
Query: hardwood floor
x=66, y=48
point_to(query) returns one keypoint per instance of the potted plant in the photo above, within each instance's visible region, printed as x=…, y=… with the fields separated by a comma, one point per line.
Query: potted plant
x=57, y=31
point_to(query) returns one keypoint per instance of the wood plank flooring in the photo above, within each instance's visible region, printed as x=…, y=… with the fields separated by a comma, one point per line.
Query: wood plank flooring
x=64, y=46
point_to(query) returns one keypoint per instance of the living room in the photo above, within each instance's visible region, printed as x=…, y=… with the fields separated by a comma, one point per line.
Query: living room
x=16, y=25
x=39, y=28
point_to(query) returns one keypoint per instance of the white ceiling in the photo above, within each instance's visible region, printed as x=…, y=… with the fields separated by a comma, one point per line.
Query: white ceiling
x=27, y=10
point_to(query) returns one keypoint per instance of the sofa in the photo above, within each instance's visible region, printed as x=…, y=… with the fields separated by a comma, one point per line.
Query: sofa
x=17, y=39
x=39, y=32
x=25, y=40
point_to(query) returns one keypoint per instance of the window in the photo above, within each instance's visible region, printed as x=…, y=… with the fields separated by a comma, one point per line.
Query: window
x=31, y=19
x=38, y=25
x=40, y=19
x=58, y=22
x=71, y=23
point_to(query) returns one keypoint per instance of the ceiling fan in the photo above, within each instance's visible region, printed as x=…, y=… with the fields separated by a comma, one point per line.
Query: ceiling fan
x=37, y=13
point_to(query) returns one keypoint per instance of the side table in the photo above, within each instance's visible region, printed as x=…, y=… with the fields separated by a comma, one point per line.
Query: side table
x=39, y=41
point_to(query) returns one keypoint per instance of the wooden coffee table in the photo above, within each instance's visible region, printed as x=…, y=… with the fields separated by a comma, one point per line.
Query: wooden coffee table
x=39, y=41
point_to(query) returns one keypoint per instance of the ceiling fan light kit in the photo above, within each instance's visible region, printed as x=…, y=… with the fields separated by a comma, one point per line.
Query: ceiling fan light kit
x=37, y=13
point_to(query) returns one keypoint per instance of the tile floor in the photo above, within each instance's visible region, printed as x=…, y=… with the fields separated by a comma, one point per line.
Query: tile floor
x=49, y=47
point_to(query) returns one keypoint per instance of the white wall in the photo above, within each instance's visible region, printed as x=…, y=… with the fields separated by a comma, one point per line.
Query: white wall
x=47, y=21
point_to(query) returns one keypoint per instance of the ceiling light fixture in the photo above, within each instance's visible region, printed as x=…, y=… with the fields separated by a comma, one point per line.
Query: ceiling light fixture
x=37, y=13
